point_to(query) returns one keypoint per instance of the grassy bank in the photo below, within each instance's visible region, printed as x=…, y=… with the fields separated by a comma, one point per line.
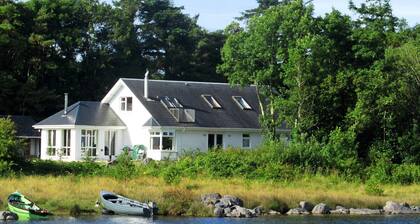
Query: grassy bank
x=60, y=193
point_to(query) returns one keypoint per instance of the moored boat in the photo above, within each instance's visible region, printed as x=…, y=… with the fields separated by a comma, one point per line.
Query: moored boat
x=24, y=208
x=117, y=204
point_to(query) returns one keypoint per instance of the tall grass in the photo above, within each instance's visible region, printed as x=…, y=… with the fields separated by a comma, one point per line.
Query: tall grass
x=60, y=193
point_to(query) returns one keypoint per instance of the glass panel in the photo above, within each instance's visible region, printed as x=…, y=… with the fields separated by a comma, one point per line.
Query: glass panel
x=210, y=141
x=106, y=147
x=167, y=143
x=129, y=103
x=113, y=143
x=219, y=141
x=123, y=103
x=242, y=103
x=155, y=143
x=212, y=101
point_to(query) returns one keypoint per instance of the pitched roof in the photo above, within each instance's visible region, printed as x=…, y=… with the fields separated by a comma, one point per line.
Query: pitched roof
x=85, y=113
x=23, y=125
x=190, y=96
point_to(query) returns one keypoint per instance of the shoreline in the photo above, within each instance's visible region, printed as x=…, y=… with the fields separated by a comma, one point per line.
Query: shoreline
x=60, y=194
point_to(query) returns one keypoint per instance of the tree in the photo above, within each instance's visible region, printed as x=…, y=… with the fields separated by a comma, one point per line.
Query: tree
x=10, y=146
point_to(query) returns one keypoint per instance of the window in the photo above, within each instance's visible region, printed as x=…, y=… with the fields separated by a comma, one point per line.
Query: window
x=66, y=142
x=89, y=142
x=162, y=140
x=126, y=103
x=171, y=102
x=246, y=141
x=215, y=141
x=109, y=143
x=242, y=103
x=51, y=148
x=212, y=101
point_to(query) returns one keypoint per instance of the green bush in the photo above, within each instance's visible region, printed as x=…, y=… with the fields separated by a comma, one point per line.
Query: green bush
x=10, y=146
x=171, y=175
x=406, y=174
x=374, y=188
x=124, y=168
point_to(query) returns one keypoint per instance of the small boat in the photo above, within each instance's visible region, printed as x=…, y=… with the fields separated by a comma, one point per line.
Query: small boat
x=117, y=204
x=24, y=208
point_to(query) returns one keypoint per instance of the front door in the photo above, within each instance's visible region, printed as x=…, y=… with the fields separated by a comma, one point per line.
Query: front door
x=109, y=143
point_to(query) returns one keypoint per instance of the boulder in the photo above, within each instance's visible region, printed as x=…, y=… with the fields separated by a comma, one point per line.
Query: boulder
x=272, y=212
x=321, y=209
x=365, y=211
x=6, y=215
x=210, y=199
x=340, y=210
x=241, y=212
x=297, y=211
x=306, y=206
x=258, y=211
x=228, y=212
x=395, y=208
x=415, y=208
x=230, y=200
x=219, y=212
x=221, y=204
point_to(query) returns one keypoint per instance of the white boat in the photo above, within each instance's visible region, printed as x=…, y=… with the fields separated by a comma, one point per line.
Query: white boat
x=117, y=204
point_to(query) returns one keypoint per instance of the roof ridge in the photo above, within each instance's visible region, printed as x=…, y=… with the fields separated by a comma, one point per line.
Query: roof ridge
x=178, y=81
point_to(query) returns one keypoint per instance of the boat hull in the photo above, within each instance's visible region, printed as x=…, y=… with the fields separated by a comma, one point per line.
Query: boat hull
x=25, y=214
x=117, y=207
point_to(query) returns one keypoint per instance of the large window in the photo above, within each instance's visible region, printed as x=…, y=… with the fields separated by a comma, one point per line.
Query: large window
x=215, y=141
x=212, y=102
x=126, y=103
x=52, y=147
x=242, y=103
x=162, y=140
x=66, y=142
x=110, y=143
x=89, y=142
x=246, y=141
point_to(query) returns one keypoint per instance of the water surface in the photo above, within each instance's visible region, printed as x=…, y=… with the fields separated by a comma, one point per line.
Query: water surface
x=268, y=220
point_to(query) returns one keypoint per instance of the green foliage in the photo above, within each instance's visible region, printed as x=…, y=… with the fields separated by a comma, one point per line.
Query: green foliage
x=124, y=168
x=10, y=146
x=406, y=174
x=374, y=188
x=171, y=175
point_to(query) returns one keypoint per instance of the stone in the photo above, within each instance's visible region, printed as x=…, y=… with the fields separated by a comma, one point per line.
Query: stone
x=395, y=208
x=321, y=209
x=340, y=210
x=230, y=200
x=241, y=212
x=227, y=212
x=297, y=211
x=365, y=211
x=306, y=206
x=221, y=204
x=405, y=204
x=6, y=215
x=219, y=212
x=258, y=210
x=272, y=212
x=210, y=199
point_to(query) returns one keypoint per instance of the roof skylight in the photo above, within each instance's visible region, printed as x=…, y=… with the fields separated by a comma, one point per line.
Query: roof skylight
x=242, y=103
x=212, y=101
x=171, y=102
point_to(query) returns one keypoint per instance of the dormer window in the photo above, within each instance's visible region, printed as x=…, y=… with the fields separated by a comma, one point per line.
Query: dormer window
x=126, y=103
x=242, y=103
x=171, y=102
x=210, y=100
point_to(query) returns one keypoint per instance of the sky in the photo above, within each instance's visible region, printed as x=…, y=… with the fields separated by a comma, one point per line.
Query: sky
x=216, y=14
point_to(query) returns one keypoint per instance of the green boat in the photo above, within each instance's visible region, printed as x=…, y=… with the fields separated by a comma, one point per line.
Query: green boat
x=24, y=208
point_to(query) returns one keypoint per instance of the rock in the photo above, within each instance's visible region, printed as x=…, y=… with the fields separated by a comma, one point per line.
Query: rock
x=241, y=212
x=297, y=211
x=340, y=210
x=321, y=209
x=395, y=208
x=405, y=204
x=227, y=212
x=210, y=199
x=365, y=211
x=415, y=208
x=230, y=200
x=272, y=212
x=221, y=204
x=219, y=212
x=306, y=206
x=6, y=215
x=258, y=210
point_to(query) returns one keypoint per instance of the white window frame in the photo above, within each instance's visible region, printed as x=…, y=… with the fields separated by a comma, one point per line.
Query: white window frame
x=110, y=140
x=214, y=103
x=215, y=145
x=242, y=103
x=66, y=147
x=125, y=106
x=244, y=138
x=52, y=142
x=91, y=142
x=161, y=135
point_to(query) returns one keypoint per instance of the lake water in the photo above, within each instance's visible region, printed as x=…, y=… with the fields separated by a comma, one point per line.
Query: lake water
x=269, y=220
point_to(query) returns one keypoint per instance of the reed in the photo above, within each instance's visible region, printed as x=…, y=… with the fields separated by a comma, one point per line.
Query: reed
x=61, y=193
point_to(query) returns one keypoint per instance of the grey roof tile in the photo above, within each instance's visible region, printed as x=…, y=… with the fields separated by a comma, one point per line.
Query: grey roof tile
x=23, y=125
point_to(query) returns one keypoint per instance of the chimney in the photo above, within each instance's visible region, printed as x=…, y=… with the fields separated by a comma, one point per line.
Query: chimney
x=66, y=102
x=146, y=85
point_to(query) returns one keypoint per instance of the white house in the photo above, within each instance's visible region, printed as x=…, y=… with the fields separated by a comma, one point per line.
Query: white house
x=165, y=118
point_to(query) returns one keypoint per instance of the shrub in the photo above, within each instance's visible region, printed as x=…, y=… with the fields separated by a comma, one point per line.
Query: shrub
x=406, y=174
x=373, y=187
x=124, y=168
x=10, y=146
x=171, y=175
